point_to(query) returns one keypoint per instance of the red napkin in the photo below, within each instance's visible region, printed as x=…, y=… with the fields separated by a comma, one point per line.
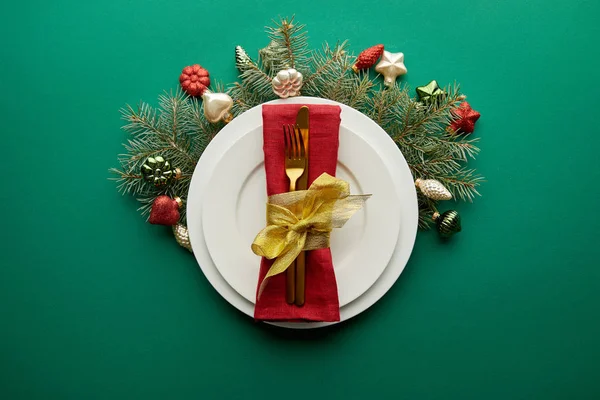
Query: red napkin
x=321, y=302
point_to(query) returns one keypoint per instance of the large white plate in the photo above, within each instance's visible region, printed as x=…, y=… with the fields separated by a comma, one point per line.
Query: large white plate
x=357, y=123
x=233, y=213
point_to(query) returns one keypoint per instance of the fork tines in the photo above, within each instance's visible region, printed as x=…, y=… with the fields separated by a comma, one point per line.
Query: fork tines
x=294, y=144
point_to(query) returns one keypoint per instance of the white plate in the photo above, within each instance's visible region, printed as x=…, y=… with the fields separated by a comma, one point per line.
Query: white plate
x=351, y=119
x=233, y=213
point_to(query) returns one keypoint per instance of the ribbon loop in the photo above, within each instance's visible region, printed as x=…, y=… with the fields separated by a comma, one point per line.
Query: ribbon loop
x=302, y=220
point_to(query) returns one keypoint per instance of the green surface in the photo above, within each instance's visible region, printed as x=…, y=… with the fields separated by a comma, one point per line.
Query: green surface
x=97, y=304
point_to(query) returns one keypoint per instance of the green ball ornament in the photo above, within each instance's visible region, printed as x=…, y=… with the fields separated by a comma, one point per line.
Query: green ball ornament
x=159, y=171
x=448, y=223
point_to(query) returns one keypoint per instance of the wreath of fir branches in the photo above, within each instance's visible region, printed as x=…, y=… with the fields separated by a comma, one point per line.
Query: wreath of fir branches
x=178, y=131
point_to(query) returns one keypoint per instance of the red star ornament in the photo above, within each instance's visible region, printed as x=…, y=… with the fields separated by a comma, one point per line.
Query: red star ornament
x=466, y=118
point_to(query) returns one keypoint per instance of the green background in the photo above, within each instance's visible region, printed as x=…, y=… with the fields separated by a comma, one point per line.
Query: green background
x=97, y=304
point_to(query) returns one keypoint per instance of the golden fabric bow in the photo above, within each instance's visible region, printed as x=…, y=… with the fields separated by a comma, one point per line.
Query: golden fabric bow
x=302, y=220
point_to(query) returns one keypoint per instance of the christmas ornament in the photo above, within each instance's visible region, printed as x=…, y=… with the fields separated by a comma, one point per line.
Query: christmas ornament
x=430, y=93
x=217, y=106
x=367, y=58
x=255, y=87
x=194, y=80
x=391, y=66
x=165, y=210
x=466, y=118
x=433, y=189
x=448, y=223
x=287, y=83
x=158, y=171
x=182, y=236
x=270, y=54
x=242, y=60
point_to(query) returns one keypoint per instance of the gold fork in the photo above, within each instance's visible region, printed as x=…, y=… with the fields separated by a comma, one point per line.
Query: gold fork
x=295, y=163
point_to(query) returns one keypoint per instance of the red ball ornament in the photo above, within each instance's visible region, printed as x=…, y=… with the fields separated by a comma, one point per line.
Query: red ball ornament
x=367, y=58
x=466, y=118
x=194, y=80
x=165, y=211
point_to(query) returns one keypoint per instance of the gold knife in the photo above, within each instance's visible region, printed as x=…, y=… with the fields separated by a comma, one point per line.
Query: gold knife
x=302, y=184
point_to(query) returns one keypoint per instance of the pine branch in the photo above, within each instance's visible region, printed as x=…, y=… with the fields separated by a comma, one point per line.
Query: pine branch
x=323, y=61
x=361, y=92
x=427, y=208
x=243, y=99
x=172, y=113
x=335, y=80
x=146, y=204
x=461, y=182
x=414, y=115
x=385, y=105
x=204, y=130
x=292, y=37
x=257, y=81
x=142, y=121
x=127, y=182
x=271, y=56
x=138, y=151
x=178, y=130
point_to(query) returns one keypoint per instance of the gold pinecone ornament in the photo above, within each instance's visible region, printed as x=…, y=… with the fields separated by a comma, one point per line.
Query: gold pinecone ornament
x=182, y=236
x=447, y=223
x=433, y=189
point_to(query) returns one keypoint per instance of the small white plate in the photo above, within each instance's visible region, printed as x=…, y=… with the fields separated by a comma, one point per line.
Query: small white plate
x=352, y=120
x=234, y=212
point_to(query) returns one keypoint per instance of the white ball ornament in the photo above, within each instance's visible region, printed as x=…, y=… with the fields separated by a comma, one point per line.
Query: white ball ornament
x=287, y=83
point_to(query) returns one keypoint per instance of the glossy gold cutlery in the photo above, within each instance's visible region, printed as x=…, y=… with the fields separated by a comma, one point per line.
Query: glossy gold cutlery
x=302, y=125
x=295, y=165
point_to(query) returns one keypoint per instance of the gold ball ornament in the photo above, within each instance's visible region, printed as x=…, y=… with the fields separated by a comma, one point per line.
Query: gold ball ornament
x=287, y=83
x=391, y=66
x=433, y=189
x=447, y=223
x=217, y=106
x=182, y=236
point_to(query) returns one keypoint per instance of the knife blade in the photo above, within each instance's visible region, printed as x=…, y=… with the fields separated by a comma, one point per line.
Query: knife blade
x=303, y=123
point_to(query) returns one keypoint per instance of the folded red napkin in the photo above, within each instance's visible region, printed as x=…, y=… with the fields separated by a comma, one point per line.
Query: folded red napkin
x=321, y=303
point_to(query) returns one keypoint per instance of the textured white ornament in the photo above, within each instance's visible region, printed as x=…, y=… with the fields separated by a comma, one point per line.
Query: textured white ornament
x=182, y=237
x=287, y=83
x=217, y=106
x=433, y=189
x=391, y=66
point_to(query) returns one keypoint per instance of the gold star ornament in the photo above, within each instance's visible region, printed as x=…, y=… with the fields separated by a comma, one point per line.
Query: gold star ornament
x=391, y=66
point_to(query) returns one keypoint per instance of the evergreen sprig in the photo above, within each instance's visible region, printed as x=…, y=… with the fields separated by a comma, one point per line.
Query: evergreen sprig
x=292, y=38
x=178, y=131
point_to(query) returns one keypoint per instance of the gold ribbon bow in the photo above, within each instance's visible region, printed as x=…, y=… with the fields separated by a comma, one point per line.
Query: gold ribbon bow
x=302, y=220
